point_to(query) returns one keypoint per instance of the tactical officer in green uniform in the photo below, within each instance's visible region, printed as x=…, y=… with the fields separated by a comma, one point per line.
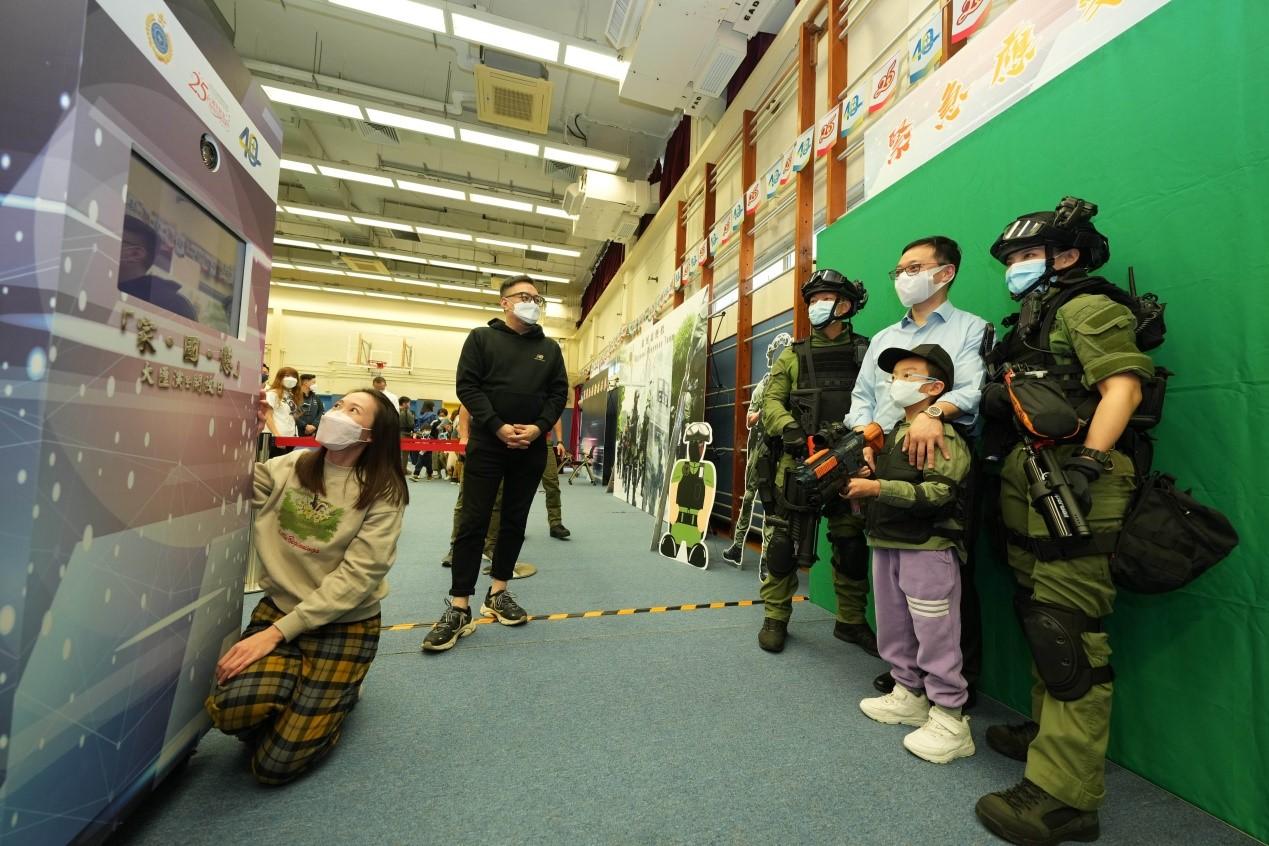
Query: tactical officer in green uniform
x=809, y=387
x=1072, y=327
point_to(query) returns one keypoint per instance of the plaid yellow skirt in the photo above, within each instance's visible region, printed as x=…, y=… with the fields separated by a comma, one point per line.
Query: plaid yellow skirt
x=291, y=703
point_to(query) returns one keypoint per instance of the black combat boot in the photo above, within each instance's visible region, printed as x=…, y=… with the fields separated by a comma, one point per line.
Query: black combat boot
x=858, y=634
x=1013, y=740
x=1029, y=816
x=773, y=633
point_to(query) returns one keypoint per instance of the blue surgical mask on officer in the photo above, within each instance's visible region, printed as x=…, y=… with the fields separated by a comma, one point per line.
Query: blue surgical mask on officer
x=1023, y=276
x=821, y=312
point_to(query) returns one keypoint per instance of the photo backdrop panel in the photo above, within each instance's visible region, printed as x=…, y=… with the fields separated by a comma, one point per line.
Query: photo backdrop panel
x=1180, y=203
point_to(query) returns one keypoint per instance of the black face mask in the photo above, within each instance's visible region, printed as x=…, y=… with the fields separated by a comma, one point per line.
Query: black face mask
x=264, y=378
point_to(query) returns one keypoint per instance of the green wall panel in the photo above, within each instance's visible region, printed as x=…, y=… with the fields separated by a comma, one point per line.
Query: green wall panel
x=1160, y=129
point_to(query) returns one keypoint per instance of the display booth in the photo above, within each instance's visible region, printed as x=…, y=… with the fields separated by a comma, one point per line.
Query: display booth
x=138, y=177
x=1180, y=203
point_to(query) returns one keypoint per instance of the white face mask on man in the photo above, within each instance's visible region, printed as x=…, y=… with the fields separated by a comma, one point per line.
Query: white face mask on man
x=919, y=287
x=530, y=313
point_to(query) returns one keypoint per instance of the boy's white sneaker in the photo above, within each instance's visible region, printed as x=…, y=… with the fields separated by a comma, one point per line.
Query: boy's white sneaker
x=898, y=707
x=942, y=739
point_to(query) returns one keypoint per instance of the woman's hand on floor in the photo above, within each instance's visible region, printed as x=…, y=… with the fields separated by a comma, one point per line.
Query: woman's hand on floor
x=246, y=652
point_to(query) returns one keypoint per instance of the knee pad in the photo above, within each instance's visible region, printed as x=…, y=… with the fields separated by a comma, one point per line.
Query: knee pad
x=850, y=556
x=779, y=553
x=1054, y=635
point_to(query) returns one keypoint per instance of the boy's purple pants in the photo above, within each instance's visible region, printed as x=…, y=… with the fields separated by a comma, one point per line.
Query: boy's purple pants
x=918, y=599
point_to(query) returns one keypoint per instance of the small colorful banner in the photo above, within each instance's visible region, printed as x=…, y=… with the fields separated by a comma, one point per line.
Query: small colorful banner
x=1022, y=49
x=884, y=83
x=678, y=277
x=737, y=216
x=803, y=148
x=753, y=197
x=786, y=166
x=925, y=45
x=693, y=263
x=772, y=180
x=826, y=131
x=702, y=252
x=853, y=112
x=968, y=16
x=715, y=240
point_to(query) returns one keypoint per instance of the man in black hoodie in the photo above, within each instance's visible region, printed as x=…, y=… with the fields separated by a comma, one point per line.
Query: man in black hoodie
x=511, y=379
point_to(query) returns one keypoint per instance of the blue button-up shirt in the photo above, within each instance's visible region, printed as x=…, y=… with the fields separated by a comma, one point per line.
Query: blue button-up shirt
x=958, y=332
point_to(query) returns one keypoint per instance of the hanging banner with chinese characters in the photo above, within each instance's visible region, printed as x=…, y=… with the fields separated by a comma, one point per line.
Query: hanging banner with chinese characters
x=802, y=149
x=925, y=45
x=786, y=166
x=969, y=15
x=693, y=264
x=737, y=216
x=853, y=112
x=1025, y=47
x=884, y=83
x=772, y=181
x=826, y=131
x=753, y=196
x=702, y=253
x=678, y=277
x=715, y=240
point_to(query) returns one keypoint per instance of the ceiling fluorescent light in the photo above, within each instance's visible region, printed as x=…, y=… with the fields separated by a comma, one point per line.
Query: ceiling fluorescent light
x=590, y=160
x=281, y=265
x=420, y=282
x=434, y=190
x=494, y=242
x=498, y=142
x=298, y=285
x=558, y=251
x=309, y=101
x=291, y=242
x=401, y=257
x=542, y=277
x=344, y=291
x=414, y=124
x=593, y=61
x=382, y=224
x=501, y=202
x=463, y=288
x=308, y=268
x=375, y=276
x=442, y=233
x=553, y=299
x=404, y=11
x=498, y=271
x=302, y=167
x=456, y=265
x=549, y=211
x=354, y=176
x=385, y=296
x=505, y=38
x=352, y=251
x=464, y=305
x=321, y=215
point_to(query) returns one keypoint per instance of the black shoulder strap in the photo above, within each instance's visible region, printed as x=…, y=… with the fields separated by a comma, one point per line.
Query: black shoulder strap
x=861, y=348
x=806, y=364
x=1089, y=285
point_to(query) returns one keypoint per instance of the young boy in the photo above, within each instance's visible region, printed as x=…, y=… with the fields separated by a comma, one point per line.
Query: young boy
x=915, y=529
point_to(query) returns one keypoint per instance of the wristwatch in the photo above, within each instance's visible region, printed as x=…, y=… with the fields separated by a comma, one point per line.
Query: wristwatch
x=934, y=411
x=1100, y=457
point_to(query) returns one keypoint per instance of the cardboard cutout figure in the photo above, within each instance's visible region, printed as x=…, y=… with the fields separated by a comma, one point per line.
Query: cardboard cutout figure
x=690, y=500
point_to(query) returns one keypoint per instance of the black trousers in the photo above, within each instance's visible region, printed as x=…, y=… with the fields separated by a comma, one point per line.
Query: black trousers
x=491, y=463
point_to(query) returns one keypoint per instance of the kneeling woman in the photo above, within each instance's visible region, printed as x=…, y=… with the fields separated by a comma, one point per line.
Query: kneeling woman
x=326, y=529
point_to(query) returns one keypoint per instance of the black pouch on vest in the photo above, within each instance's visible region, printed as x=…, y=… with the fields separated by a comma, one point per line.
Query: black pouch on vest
x=1041, y=407
x=1169, y=539
x=1153, y=391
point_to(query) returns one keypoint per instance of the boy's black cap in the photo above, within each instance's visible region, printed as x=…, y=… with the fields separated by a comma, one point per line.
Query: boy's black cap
x=932, y=353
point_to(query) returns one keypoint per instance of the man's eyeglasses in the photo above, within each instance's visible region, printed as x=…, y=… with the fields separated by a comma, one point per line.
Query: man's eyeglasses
x=527, y=298
x=910, y=270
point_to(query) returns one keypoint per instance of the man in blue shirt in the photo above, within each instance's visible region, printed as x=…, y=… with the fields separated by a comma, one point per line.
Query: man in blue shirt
x=924, y=274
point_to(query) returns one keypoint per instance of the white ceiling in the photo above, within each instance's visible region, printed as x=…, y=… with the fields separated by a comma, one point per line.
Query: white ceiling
x=320, y=46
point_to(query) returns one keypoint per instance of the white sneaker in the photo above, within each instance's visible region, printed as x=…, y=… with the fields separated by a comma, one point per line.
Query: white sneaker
x=942, y=739
x=898, y=707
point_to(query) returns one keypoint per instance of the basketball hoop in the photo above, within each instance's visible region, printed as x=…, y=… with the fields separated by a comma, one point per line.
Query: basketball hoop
x=379, y=365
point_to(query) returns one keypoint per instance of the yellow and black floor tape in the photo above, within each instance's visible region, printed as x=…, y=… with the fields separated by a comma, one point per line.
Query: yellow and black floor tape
x=620, y=612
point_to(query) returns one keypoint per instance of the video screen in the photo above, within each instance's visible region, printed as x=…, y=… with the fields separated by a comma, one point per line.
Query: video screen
x=176, y=256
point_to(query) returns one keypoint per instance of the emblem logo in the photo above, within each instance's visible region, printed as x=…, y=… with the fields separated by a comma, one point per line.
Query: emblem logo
x=156, y=34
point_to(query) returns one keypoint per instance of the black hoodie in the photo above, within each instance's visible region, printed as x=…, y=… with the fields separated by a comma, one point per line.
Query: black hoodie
x=505, y=377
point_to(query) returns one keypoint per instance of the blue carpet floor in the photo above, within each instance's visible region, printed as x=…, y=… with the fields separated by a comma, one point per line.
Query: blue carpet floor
x=651, y=728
